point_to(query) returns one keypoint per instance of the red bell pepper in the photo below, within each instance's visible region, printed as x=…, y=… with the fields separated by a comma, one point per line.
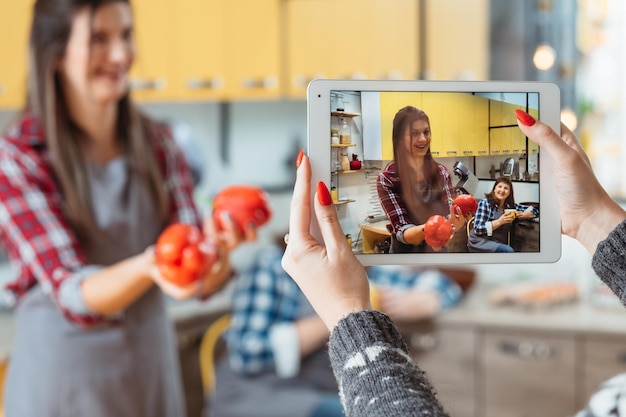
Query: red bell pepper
x=437, y=231
x=246, y=205
x=467, y=203
x=184, y=254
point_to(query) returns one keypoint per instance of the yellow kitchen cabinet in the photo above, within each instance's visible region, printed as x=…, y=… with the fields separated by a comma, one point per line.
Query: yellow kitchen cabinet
x=533, y=148
x=199, y=50
x=154, y=69
x=505, y=136
x=15, y=19
x=211, y=49
x=390, y=103
x=436, y=107
x=458, y=123
x=457, y=39
x=481, y=124
x=356, y=39
x=501, y=140
x=252, y=48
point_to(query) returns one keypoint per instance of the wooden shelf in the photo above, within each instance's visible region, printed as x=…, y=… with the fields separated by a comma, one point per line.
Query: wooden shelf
x=344, y=114
x=355, y=171
x=342, y=145
x=342, y=202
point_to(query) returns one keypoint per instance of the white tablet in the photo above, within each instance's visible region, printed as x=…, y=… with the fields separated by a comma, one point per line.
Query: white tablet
x=398, y=154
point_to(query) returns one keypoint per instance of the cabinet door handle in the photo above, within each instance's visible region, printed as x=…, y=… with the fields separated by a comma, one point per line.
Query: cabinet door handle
x=214, y=83
x=145, y=84
x=527, y=350
x=268, y=83
x=424, y=341
x=301, y=81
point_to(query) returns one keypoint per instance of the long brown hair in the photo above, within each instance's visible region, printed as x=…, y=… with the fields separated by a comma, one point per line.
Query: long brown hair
x=49, y=35
x=491, y=196
x=421, y=199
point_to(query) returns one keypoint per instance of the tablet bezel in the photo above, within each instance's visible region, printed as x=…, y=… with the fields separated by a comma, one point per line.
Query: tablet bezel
x=318, y=142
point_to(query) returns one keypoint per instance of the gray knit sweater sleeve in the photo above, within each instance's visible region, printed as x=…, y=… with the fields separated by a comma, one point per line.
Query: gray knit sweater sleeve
x=375, y=374
x=609, y=261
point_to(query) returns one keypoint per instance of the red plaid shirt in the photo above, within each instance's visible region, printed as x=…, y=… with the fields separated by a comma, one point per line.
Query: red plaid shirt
x=34, y=232
x=389, y=192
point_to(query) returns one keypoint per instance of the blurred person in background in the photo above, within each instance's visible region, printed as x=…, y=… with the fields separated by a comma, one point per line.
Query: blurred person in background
x=87, y=184
x=277, y=363
x=410, y=293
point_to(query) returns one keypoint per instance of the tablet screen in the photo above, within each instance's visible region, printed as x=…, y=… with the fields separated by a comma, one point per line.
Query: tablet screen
x=400, y=157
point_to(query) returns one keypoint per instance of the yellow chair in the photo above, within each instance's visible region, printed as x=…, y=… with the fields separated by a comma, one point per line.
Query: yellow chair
x=470, y=225
x=208, y=351
x=4, y=365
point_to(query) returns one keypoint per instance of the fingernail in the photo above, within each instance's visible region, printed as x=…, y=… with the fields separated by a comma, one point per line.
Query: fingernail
x=524, y=118
x=299, y=158
x=323, y=195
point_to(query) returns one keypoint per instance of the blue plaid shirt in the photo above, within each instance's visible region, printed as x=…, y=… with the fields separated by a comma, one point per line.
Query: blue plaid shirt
x=264, y=296
x=488, y=212
x=409, y=278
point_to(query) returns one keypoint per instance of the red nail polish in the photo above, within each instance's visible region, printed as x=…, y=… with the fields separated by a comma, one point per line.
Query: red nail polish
x=323, y=195
x=299, y=158
x=524, y=118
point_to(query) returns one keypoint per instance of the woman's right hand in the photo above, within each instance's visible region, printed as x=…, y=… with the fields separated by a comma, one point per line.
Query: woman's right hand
x=329, y=275
x=221, y=271
x=588, y=213
x=414, y=235
x=502, y=220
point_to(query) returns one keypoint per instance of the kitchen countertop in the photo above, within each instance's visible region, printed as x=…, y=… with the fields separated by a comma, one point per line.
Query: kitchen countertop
x=572, y=317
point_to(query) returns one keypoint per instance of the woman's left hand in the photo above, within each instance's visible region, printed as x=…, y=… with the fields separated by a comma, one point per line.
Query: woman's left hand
x=456, y=218
x=528, y=214
x=329, y=275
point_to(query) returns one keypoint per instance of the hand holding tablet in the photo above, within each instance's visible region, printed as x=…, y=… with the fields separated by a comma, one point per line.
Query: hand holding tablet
x=415, y=138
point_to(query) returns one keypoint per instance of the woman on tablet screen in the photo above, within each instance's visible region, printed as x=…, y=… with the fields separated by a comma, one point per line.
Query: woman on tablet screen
x=414, y=186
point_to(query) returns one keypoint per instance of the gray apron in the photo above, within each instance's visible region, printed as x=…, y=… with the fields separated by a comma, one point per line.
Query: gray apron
x=268, y=395
x=478, y=243
x=128, y=370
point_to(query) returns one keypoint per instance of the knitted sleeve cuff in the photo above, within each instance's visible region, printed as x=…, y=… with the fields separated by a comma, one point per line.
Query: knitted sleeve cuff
x=359, y=329
x=609, y=261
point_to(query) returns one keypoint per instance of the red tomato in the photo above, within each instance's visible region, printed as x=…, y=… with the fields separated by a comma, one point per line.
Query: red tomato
x=245, y=204
x=183, y=254
x=437, y=231
x=467, y=203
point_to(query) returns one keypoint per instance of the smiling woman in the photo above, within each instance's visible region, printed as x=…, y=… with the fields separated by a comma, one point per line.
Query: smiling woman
x=414, y=186
x=494, y=217
x=87, y=184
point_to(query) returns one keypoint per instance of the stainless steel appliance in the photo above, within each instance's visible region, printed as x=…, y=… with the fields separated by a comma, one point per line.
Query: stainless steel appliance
x=468, y=183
